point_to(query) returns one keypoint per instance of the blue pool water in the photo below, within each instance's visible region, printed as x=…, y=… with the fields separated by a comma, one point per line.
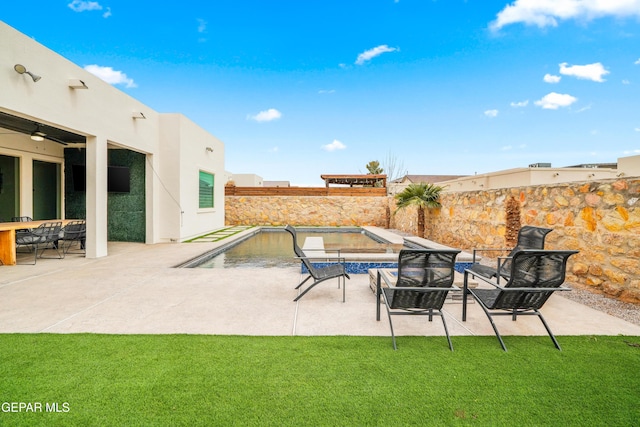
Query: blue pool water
x=274, y=248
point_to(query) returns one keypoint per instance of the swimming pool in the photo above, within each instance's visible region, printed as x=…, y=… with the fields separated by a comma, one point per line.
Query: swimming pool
x=273, y=247
x=265, y=247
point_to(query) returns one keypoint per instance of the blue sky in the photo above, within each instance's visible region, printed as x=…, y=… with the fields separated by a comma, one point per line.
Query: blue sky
x=296, y=89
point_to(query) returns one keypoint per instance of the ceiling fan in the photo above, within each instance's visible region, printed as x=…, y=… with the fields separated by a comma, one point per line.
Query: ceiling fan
x=37, y=135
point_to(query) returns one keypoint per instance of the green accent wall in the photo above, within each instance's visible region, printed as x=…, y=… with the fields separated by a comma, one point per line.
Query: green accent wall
x=126, y=213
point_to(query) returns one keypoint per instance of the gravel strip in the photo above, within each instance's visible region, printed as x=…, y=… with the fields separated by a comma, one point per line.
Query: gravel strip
x=623, y=310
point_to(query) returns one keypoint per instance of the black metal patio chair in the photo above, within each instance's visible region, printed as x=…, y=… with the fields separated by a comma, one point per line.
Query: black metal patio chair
x=529, y=237
x=21, y=219
x=533, y=277
x=425, y=277
x=334, y=268
x=44, y=237
x=74, y=232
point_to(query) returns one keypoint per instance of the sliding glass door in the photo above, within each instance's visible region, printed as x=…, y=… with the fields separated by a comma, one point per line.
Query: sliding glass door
x=9, y=187
x=46, y=190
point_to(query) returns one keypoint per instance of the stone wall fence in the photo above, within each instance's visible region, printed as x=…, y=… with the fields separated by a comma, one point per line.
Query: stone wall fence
x=335, y=211
x=600, y=219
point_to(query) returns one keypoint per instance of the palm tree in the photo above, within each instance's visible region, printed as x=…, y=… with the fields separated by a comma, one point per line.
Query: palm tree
x=374, y=167
x=422, y=195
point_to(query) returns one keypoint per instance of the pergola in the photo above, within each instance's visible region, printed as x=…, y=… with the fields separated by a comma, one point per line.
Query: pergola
x=369, y=180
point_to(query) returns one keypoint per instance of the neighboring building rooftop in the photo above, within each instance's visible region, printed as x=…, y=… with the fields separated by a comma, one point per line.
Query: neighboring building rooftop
x=276, y=184
x=415, y=179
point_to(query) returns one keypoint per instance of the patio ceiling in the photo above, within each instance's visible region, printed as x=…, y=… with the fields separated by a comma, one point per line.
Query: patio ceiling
x=27, y=126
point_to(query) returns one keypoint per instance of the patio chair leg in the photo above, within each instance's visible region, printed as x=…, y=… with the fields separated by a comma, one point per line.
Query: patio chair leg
x=303, y=282
x=446, y=331
x=303, y=292
x=493, y=325
x=393, y=336
x=553, y=338
x=465, y=292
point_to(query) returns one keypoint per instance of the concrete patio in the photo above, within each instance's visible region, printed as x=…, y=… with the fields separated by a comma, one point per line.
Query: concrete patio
x=136, y=290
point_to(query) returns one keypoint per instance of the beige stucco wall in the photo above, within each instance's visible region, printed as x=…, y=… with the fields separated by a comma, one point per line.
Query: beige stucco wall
x=174, y=146
x=528, y=176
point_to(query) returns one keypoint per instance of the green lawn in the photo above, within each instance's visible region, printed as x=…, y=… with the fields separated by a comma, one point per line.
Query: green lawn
x=236, y=380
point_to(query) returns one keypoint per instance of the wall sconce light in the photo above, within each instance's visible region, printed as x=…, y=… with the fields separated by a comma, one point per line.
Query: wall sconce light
x=138, y=115
x=21, y=69
x=209, y=149
x=556, y=174
x=620, y=174
x=591, y=175
x=38, y=135
x=77, y=84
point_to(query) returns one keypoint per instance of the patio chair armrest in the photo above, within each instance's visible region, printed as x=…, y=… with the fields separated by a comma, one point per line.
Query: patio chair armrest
x=386, y=280
x=322, y=250
x=424, y=288
x=488, y=250
x=483, y=278
x=559, y=288
x=502, y=288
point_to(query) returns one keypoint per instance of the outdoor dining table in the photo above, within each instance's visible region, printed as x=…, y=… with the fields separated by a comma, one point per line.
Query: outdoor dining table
x=8, y=237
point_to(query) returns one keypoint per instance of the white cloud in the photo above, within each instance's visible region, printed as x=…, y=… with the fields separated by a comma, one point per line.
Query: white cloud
x=544, y=13
x=491, y=113
x=592, y=72
x=266, y=116
x=107, y=13
x=550, y=78
x=335, y=145
x=553, y=101
x=626, y=82
x=110, y=75
x=367, y=55
x=637, y=129
x=83, y=6
x=637, y=62
x=326, y=91
x=520, y=104
x=507, y=148
x=202, y=25
x=583, y=109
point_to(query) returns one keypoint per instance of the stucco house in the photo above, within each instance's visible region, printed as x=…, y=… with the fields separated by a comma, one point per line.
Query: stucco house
x=73, y=146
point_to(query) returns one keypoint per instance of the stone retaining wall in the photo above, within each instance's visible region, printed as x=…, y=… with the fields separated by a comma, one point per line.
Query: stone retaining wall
x=600, y=219
x=311, y=211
